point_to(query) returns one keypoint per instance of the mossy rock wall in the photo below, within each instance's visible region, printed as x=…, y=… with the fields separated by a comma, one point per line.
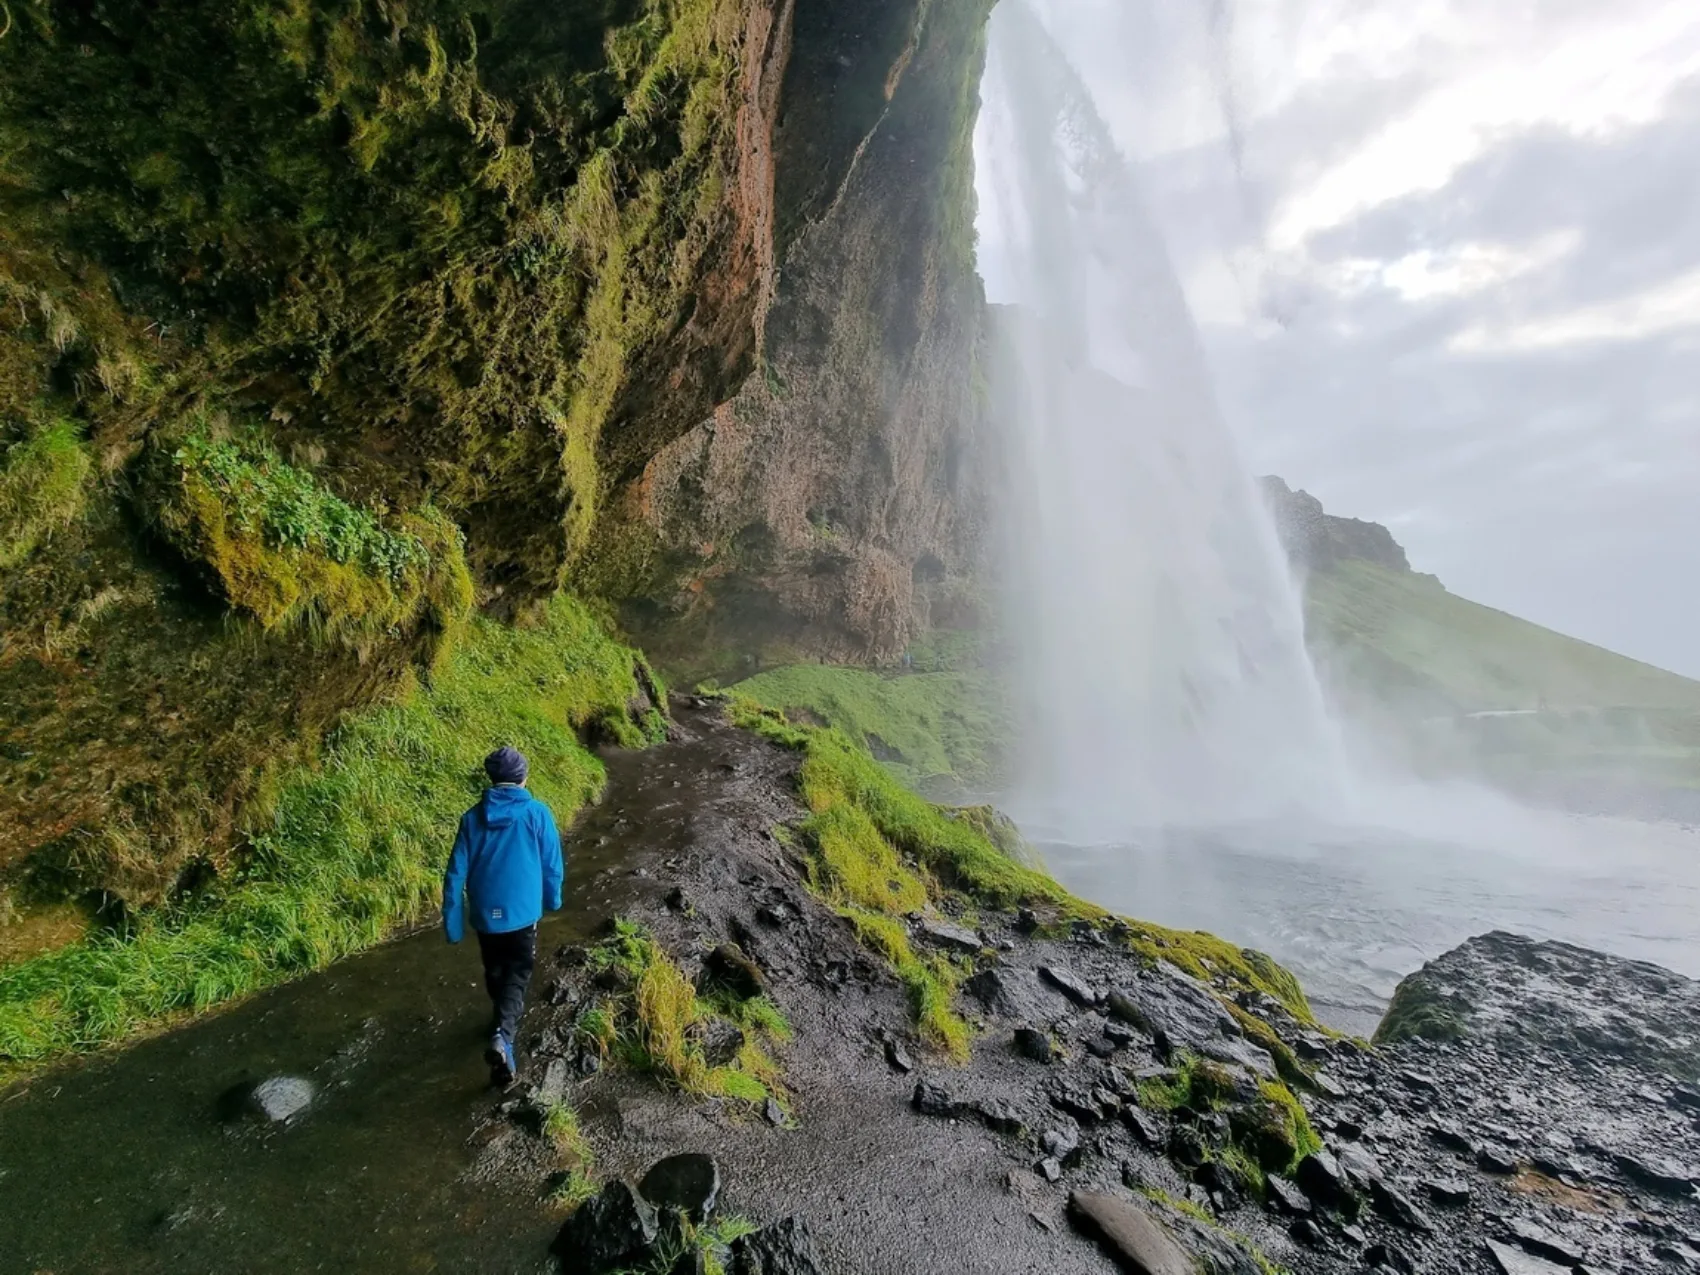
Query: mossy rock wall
x=461, y=269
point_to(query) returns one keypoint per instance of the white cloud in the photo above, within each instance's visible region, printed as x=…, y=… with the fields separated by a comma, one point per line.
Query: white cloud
x=1669, y=307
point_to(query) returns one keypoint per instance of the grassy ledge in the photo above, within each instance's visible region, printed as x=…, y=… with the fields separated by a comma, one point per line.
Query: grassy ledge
x=877, y=852
x=347, y=851
x=654, y=1021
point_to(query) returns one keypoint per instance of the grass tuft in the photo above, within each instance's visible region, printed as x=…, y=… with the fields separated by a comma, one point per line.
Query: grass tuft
x=43, y=483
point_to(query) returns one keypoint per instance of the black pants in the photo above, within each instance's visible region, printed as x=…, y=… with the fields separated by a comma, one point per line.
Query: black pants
x=508, y=959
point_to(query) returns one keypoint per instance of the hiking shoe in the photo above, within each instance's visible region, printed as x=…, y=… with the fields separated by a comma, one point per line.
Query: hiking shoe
x=500, y=1056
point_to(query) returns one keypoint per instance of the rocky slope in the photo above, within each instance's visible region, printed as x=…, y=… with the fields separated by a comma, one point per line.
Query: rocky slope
x=1113, y=1111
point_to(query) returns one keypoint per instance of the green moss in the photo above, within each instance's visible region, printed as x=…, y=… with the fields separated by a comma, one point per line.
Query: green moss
x=345, y=851
x=924, y=726
x=878, y=851
x=43, y=483
x=291, y=553
x=656, y=1032
x=1419, y=1012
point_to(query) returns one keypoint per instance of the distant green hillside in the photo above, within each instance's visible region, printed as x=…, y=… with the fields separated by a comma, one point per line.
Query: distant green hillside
x=1461, y=688
x=1406, y=633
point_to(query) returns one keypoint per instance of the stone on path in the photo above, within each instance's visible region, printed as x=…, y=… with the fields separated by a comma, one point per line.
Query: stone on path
x=688, y=1183
x=782, y=1248
x=281, y=1098
x=1074, y=988
x=1138, y=1242
x=1031, y=1042
x=614, y=1229
x=956, y=937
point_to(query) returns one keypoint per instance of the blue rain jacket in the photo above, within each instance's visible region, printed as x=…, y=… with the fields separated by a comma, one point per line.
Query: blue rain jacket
x=506, y=861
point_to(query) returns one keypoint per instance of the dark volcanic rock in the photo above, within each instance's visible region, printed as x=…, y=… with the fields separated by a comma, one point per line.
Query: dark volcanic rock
x=1319, y=1176
x=1177, y=1012
x=782, y=1248
x=688, y=1183
x=1543, y=1243
x=931, y=1100
x=280, y=1098
x=1137, y=1241
x=1396, y=1207
x=1511, y=1261
x=1449, y=1192
x=1287, y=1198
x=1013, y=993
x=1529, y=997
x=613, y=1230
x=1657, y=1174
x=955, y=937
x=898, y=1056
x=1077, y=990
x=728, y=966
x=1031, y=1042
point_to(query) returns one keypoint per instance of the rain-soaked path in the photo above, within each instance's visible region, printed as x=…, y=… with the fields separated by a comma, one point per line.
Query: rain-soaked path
x=121, y=1163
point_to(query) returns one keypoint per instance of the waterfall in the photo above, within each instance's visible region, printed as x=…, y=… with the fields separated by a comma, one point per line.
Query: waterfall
x=1161, y=665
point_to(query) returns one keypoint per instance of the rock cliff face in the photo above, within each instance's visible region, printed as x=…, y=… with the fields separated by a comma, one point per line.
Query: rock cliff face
x=324, y=325
x=1317, y=540
x=832, y=506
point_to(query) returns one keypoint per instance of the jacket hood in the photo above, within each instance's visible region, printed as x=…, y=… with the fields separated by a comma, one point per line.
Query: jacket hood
x=501, y=805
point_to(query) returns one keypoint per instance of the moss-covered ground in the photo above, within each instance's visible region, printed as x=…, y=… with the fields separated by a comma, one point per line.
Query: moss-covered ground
x=877, y=852
x=342, y=852
x=950, y=726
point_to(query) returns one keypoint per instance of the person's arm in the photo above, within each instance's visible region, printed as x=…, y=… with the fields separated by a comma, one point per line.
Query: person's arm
x=554, y=863
x=454, y=887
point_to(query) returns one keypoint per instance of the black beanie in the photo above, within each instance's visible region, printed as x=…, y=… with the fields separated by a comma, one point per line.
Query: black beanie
x=507, y=765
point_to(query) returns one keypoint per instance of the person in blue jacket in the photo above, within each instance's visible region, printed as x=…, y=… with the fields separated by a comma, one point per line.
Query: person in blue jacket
x=507, y=864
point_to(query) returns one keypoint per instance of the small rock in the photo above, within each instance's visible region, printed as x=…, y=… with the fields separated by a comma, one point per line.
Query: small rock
x=897, y=1056
x=1358, y=1166
x=553, y=1086
x=688, y=1183
x=1397, y=1208
x=1448, y=1191
x=1543, y=1243
x=1070, y=986
x=1391, y=1257
x=1420, y=1080
x=1090, y=1107
x=1285, y=1197
x=1144, y=1128
x=772, y=1112
x=955, y=937
x=784, y=1247
x=281, y=1098
x=1328, y=1087
x=1120, y=1033
x=931, y=1100
x=1657, y=1175
x=1685, y=1096
x=1013, y=994
x=1049, y=1169
x=1032, y=1043
x=1452, y=1138
x=677, y=901
x=728, y=966
x=1306, y=1232
x=1060, y=1143
x=1511, y=1261
x=1492, y=1160
x=1101, y=1047
x=1320, y=1178
x=1137, y=1240
x=1026, y=920
x=999, y=1117
x=614, y=1229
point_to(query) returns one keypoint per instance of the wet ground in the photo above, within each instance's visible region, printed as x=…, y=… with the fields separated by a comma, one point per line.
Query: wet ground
x=123, y=1162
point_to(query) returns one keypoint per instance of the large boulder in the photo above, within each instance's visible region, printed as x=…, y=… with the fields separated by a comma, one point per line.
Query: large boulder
x=615, y=1229
x=688, y=1183
x=1177, y=1012
x=782, y=1248
x=1131, y=1234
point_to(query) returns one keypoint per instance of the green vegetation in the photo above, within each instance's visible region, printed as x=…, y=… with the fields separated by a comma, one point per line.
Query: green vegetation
x=288, y=551
x=656, y=1024
x=1268, y=1135
x=677, y=1244
x=877, y=852
x=1422, y=665
x=1409, y=635
x=1418, y=1012
x=43, y=481
x=347, y=850
x=576, y=1183
x=926, y=727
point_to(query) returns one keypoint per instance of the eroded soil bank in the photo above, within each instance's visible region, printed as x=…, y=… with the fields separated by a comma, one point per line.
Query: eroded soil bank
x=1548, y=1127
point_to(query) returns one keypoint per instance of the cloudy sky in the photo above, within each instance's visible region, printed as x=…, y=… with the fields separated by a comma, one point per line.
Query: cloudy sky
x=1445, y=255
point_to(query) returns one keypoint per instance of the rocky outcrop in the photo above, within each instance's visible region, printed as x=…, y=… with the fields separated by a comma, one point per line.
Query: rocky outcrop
x=1116, y=1113
x=833, y=506
x=1317, y=540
